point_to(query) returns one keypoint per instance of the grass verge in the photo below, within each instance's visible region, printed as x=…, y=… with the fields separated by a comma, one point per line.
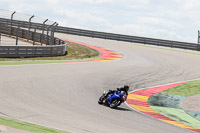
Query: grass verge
x=27, y=126
x=188, y=89
x=178, y=115
x=6, y=63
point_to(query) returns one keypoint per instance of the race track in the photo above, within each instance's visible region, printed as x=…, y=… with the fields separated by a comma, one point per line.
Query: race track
x=64, y=96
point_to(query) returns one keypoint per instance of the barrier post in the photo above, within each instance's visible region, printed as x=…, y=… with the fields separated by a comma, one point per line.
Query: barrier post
x=52, y=33
x=51, y=26
x=11, y=22
x=17, y=34
x=43, y=27
x=198, y=36
x=0, y=33
x=29, y=26
x=47, y=40
x=34, y=35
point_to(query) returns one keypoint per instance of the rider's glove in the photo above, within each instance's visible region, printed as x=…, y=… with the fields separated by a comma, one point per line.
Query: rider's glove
x=112, y=91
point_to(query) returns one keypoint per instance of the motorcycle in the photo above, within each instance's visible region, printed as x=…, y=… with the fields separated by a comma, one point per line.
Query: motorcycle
x=113, y=100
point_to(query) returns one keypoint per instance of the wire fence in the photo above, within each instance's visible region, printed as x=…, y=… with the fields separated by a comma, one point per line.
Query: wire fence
x=28, y=36
x=23, y=17
x=29, y=28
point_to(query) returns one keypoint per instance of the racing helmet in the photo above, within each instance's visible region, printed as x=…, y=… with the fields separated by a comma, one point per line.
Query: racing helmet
x=126, y=87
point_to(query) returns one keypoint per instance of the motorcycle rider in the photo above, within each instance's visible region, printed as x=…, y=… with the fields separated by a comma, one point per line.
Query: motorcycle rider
x=124, y=89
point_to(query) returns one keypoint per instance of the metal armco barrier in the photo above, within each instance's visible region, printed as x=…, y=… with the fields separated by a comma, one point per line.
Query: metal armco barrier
x=128, y=38
x=118, y=37
x=29, y=51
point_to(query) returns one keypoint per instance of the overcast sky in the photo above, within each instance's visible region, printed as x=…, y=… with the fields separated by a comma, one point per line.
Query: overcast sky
x=165, y=19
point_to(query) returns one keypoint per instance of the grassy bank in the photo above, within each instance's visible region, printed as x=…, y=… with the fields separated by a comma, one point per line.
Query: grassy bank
x=168, y=103
x=188, y=89
x=178, y=115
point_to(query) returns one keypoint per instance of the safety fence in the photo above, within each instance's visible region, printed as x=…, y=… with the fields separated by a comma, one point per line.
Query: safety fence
x=33, y=36
x=28, y=51
x=128, y=38
x=40, y=33
x=119, y=37
x=27, y=30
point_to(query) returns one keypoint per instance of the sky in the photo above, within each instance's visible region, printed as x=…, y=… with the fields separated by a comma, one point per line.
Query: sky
x=164, y=19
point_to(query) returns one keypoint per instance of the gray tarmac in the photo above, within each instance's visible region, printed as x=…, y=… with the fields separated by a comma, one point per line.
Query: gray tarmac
x=191, y=103
x=5, y=129
x=64, y=96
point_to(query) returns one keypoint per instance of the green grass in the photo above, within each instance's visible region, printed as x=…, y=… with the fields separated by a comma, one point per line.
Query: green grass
x=27, y=126
x=6, y=63
x=74, y=51
x=178, y=115
x=188, y=89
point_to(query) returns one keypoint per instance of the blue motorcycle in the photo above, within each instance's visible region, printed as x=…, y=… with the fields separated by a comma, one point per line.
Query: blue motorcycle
x=113, y=99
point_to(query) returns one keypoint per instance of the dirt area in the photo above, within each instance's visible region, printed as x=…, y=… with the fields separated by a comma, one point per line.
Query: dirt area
x=191, y=103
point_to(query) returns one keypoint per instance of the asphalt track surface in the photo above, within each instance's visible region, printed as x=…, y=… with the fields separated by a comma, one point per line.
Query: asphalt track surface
x=64, y=96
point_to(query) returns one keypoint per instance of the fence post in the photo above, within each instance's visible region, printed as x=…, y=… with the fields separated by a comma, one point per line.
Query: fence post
x=29, y=26
x=11, y=22
x=17, y=34
x=47, y=43
x=0, y=32
x=34, y=36
x=51, y=26
x=43, y=26
x=22, y=33
x=52, y=33
x=59, y=42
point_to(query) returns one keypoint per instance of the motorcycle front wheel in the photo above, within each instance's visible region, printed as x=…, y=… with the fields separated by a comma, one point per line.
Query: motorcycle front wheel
x=101, y=100
x=115, y=103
